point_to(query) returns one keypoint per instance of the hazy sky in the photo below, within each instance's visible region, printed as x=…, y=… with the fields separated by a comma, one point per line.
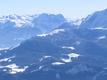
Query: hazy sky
x=69, y=8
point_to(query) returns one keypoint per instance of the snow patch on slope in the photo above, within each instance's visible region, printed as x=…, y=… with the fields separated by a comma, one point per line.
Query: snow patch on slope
x=99, y=28
x=44, y=57
x=101, y=37
x=57, y=63
x=67, y=47
x=70, y=56
x=13, y=68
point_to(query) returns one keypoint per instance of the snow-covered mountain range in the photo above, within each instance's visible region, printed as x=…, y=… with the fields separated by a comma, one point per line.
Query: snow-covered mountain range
x=15, y=29
x=68, y=51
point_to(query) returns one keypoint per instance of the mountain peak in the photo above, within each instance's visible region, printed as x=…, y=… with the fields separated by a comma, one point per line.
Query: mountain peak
x=97, y=19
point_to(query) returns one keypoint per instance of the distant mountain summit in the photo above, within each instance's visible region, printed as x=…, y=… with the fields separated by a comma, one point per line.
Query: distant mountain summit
x=16, y=28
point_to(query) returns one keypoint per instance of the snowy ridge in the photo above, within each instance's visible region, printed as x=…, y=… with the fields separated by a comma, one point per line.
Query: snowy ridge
x=7, y=59
x=18, y=20
x=52, y=33
x=4, y=49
